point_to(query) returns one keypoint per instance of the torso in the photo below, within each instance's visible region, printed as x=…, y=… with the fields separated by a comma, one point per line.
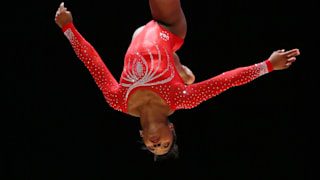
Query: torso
x=149, y=76
x=144, y=97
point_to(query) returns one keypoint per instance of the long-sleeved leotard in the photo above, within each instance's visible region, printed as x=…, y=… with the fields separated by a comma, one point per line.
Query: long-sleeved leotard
x=149, y=65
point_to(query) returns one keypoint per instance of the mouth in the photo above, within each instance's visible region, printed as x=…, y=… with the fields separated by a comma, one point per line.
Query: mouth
x=155, y=140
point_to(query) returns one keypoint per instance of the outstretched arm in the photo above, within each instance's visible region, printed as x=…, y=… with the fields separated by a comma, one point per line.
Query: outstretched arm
x=88, y=55
x=194, y=94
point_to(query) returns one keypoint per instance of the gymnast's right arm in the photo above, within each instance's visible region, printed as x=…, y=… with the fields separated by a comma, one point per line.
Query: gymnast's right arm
x=88, y=55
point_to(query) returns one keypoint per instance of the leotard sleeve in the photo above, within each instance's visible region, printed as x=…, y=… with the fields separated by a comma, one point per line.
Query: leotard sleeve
x=193, y=95
x=91, y=59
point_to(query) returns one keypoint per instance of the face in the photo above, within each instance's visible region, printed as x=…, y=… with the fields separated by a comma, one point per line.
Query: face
x=159, y=140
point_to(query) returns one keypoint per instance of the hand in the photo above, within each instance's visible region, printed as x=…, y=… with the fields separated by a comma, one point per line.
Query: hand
x=63, y=16
x=283, y=60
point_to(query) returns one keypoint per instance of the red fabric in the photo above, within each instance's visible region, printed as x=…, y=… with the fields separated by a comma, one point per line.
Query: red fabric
x=269, y=65
x=67, y=26
x=149, y=65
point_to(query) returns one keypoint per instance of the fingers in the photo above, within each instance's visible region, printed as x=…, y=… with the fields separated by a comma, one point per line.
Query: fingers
x=292, y=59
x=292, y=50
x=292, y=53
x=289, y=62
x=287, y=65
x=61, y=10
x=61, y=7
x=284, y=59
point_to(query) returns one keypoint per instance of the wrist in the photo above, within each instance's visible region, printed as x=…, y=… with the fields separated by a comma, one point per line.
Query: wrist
x=67, y=26
x=269, y=65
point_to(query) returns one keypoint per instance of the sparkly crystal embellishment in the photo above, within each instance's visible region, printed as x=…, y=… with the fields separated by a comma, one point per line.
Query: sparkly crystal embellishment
x=139, y=69
x=140, y=73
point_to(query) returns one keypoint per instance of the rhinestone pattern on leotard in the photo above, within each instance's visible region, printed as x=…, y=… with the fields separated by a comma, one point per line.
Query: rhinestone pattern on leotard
x=151, y=67
x=137, y=77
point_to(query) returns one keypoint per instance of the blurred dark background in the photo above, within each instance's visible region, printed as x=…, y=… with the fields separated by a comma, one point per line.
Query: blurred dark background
x=55, y=123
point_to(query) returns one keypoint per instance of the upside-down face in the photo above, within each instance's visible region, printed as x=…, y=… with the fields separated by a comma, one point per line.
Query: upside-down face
x=158, y=140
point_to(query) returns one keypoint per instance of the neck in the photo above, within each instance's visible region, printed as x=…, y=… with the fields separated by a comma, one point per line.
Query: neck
x=152, y=117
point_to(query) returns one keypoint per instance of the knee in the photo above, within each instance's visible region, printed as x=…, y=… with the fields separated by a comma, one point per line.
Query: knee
x=136, y=32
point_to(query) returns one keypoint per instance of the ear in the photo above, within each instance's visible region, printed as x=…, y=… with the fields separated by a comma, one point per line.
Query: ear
x=171, y=126
x=141, y=133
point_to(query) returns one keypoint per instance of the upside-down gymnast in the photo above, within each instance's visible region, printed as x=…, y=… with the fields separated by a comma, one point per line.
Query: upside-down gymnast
x=154, y=84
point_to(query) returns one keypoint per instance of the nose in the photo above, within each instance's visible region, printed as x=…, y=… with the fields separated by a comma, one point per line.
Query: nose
x=156, y=145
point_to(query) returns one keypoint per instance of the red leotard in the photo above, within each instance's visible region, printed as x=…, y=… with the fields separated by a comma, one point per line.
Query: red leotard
x=149, y=65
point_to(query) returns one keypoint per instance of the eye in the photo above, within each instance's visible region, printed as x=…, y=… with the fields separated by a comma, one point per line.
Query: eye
x=166, y=145
x=150, y=148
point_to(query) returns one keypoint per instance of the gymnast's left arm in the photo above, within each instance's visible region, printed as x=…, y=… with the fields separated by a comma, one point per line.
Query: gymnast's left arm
x=196, y=93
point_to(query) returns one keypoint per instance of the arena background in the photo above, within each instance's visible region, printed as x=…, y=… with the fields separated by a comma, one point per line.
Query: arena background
x=55, y=123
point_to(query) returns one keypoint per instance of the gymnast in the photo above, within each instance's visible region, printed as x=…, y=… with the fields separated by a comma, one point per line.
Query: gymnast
x=154, y=84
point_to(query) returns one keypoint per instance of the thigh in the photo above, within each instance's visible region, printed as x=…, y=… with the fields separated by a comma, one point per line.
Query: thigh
x=169, y=14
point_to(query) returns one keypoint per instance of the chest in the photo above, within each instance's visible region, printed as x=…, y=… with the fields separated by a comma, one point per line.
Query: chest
x=142, y=97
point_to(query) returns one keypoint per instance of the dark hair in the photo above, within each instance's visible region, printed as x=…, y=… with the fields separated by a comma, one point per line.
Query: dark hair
x=173, y=152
